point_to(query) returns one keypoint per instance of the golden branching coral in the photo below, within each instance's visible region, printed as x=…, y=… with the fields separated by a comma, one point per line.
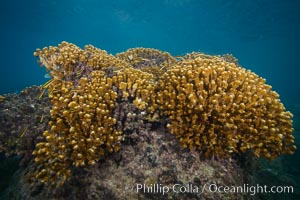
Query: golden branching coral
x=219, y=108
x=148, y=60
x=139, y=86
x=81, y=127
x=84, y=91
x=83, y=96
x=68, y=62
x=212, y=104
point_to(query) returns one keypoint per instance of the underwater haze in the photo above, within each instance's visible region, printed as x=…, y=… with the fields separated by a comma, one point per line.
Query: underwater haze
x=262, y=34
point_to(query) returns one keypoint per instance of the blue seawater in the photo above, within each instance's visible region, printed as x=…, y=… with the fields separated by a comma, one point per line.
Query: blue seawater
x=262, y=34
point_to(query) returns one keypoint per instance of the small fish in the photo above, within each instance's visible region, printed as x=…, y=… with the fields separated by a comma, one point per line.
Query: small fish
x=47, y=76
x=22, y=133
x=179, y=57
x=74, y=110
x=78, y=73
x=47, y=83
x=119, y=70
x=162, y=68
x=51, y=91
x=42, y=93
x=42, y=118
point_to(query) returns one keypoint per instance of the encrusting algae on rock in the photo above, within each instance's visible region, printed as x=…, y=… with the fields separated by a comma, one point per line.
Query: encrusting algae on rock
x=211, y=105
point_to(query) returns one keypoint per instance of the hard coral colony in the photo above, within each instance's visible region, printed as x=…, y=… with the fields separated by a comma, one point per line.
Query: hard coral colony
x=212, y=105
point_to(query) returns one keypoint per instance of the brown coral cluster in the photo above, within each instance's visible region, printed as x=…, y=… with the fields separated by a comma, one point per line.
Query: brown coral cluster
x=81, y=127
x=86, y=87
x=219, y=108
x=148, y=60
x=211, y=103
x=68, y=62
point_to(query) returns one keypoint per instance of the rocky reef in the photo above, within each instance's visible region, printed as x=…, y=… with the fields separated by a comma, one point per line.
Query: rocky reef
x=149, y=156
x=23, y=119
x=131, y=125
